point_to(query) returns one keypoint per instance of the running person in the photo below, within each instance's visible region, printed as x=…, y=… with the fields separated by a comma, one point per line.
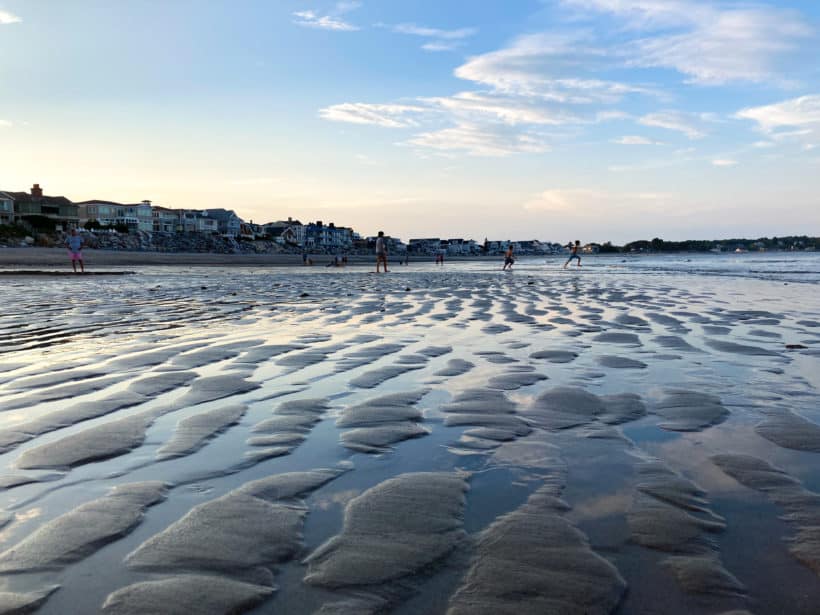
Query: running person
x=573, y=252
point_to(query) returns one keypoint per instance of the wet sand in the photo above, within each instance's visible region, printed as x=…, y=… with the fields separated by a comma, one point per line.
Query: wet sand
x=258, y=439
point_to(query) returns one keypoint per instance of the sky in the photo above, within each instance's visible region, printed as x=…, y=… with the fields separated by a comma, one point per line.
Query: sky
x=598, y=120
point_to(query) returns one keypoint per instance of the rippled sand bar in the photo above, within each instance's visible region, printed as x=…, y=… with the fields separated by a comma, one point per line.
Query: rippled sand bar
x=435, y=440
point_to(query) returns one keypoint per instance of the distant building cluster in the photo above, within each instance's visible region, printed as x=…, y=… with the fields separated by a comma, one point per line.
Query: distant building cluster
x=61, y=214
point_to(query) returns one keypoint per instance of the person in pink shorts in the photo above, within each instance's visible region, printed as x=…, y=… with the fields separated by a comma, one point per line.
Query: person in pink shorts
x=75, y=250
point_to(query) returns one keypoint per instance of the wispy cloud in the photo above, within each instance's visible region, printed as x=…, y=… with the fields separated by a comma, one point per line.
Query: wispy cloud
x=690, y=124
x=712, y=44
x=438, y=39
x=481, y=140
x=635, y=140
x=593, y=202
x=330, y=21
x=8, y=18
x=5, y=124
x=512, y=110
x=724, y=162
x=388, y=116
x=797, y=119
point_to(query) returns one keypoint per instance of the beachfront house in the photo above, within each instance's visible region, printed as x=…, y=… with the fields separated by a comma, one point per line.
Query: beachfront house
x=134, y=216
x=44, y=211
x=197, y=221
x=6, y=208
x=165, y=219
x=425, y=245
x=227, y=222
x=320, y=236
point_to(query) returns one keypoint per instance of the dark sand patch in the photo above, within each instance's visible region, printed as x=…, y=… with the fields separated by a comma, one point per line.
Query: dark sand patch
x=685, y=410
x=515, y=379
x=94, y=444
x=12, y=603
x=54, y=379
x=382, y=421
x=186, y=594
x=555, y=356
x=455, y=367
x=790, y=430
x=68, y=391
x=731, y=347
x=534, y=561
x=491, y=414
x=616, y=362
x=675, y=342
x=384, y=538
x=193, y=432
x=802, y=506
x=374, y=378
x=79, y=533
x=566, y=407
x=242, y=534
x=659, y=520
x=629, y=320
x=617, y=337
x=495, y=329
x=213, y=388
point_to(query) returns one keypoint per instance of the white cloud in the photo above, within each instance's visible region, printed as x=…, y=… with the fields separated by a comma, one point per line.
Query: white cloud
x=331, y=21
x=538, y=64
x=792, y=120
x=689, y=124
x=724, y=162
x=447, y=35
x=7, y=18
x=5, y=124
x=439, y=40
x=635, y=140
x=388, y=116
x=481, y=140
x=584, y=201
x=712, y=44
x=797, y=112
x=510, y=110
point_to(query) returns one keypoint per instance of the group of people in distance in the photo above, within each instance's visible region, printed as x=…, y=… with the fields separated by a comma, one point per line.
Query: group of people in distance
x=509, y=257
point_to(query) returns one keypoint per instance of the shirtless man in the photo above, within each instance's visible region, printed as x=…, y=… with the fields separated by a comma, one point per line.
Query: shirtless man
x=381, y=252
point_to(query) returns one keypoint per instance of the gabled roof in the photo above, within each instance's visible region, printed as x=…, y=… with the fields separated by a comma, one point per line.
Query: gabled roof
x=25, y=197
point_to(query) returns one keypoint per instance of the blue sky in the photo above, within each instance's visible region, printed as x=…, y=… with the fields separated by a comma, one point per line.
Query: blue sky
x=549, y=119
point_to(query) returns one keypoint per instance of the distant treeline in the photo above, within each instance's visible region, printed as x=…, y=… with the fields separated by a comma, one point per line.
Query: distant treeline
x=802, y=242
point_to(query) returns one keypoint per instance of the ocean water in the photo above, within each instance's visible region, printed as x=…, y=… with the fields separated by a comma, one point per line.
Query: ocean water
x=467, y=420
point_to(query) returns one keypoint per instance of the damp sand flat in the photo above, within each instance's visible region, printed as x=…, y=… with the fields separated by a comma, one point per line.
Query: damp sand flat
x=229, y=438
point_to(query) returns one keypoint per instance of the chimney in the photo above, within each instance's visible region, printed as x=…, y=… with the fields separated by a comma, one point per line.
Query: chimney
x=36, y=191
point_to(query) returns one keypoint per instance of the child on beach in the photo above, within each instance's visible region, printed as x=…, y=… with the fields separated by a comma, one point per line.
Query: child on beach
x=74, y=243
x=509, y=259
x=573, y=252
x=381, y=252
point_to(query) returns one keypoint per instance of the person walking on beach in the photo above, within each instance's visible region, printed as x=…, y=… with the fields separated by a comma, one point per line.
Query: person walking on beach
x=573, y=252
x=509, y=259
x=381, y=252
x=74, y=243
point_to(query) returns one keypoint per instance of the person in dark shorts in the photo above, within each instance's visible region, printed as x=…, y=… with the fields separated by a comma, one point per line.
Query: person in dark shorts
x=381, y=252
x=573, y=252
x=509, y=259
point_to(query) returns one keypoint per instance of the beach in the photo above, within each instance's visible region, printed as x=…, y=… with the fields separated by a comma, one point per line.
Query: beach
x=220, y=433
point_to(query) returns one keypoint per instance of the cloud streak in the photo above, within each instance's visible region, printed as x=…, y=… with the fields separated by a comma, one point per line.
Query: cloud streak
x=7, y=18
